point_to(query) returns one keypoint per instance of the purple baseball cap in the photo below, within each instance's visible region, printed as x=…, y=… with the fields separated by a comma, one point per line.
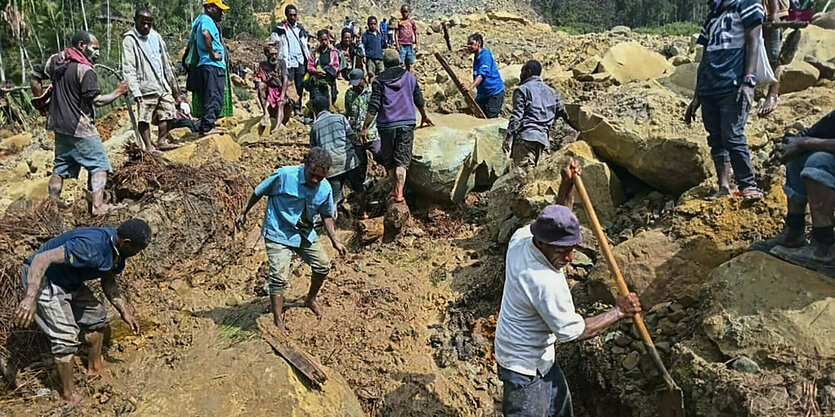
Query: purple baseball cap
x=557, y=225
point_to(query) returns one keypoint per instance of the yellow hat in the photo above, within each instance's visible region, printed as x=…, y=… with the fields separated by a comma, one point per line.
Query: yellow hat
x=218, y=3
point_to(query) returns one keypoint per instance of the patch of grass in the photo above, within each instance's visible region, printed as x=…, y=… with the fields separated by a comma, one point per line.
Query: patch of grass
x=671, y=29
x=237, y=326
x=438, y=276
x=243, y=94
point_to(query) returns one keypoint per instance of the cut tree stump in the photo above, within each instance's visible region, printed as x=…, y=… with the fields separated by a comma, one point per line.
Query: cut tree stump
x=292, y=354
x=369, y=230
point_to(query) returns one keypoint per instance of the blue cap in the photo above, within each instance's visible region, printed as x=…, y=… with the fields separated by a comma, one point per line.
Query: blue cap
x=558, y=226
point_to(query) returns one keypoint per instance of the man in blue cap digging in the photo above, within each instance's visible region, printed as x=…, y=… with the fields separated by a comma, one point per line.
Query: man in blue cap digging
x=537, y=310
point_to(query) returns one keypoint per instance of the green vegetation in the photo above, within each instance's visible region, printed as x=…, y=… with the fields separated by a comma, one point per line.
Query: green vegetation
x=672, y=29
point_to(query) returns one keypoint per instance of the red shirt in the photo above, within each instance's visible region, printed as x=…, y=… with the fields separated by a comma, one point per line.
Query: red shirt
x=406, y=30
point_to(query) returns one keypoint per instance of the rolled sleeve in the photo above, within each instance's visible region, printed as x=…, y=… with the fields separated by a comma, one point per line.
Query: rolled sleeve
x=555, y=306
x=269, y=186
x=751, y=12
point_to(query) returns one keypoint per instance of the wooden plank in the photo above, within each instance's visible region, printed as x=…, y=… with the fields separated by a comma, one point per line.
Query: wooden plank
x=468, y=97
x=294, y=356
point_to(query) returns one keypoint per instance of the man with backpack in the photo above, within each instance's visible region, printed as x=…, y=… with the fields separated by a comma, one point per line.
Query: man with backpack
x=294, y=37
x=208, y=79
x=151, y=79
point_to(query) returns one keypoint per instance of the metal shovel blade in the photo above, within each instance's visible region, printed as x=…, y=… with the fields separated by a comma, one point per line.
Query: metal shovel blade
x=672, y=403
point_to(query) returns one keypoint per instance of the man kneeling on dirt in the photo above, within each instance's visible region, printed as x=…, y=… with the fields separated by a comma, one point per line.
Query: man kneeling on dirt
x=296, y=194
x=810, y=180
x=537, y=310
x=61, y=303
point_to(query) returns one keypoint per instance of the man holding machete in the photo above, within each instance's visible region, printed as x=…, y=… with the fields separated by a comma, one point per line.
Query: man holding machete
x=537, y=310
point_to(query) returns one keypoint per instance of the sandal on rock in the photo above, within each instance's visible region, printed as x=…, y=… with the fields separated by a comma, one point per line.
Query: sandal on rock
x=751, y=194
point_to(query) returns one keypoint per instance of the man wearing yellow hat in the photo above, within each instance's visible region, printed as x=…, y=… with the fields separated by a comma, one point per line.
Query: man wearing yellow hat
x=211, y=66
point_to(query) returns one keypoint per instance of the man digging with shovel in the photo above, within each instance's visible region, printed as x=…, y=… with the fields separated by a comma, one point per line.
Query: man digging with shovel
x=537, y=310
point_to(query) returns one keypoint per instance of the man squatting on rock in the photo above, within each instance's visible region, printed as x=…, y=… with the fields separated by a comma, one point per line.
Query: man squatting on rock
x=809, y=157
x=296, y=194
x=59, y=301
x=537, y=310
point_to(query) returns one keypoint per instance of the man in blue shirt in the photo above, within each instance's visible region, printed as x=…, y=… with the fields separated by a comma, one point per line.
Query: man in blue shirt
x=211, y=69
x=486, y=78
x=725, y=84
x=296, y=194
x=373, y=41
x=61, y=303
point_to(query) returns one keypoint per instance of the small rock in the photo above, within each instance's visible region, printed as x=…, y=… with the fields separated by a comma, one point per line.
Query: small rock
x=496, y=382
x=631, y=361
x=621, y=30
x=20, y=169
x=617, y=350
x=687, y=301
x=638, y=347
x=623, y=341
x=745, y=364
x=234, y=300
x=660, y=307
x=43, y=392
x=663, y=346
x=581, y=259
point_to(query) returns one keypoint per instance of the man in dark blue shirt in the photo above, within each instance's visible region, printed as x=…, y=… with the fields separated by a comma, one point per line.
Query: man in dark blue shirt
x=725, y=89
x=61, y=303
x=373, y=41
x=486, y=78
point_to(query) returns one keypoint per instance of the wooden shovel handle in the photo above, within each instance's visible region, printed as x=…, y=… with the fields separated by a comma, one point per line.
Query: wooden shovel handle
x=603, y=242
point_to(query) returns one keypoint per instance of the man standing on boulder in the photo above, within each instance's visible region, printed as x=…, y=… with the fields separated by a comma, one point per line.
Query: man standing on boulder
x=810, y=180
x=211, y=68
x=535, y=108
x=59, y=301
x=486, y=78
x=295, y=37
x=537, y=310
x=394, y=95
x=72, y=116
x=151, y=79
x=725, y=85
x=296, y=194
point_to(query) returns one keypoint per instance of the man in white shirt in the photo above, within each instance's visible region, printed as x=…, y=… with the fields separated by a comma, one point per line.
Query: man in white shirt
x=537, y=310
x=294, y=38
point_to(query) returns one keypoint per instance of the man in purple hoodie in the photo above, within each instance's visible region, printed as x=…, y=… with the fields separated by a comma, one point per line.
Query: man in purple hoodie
x=394, y=95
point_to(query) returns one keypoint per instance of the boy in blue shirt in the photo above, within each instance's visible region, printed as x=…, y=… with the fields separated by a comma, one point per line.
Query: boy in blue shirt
x=725, y=89
x=211, y=69
x=296, y=194
x=59, y=301
x=486, y=78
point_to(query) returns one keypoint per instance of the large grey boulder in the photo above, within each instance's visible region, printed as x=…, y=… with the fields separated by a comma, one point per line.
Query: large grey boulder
x=459, y=153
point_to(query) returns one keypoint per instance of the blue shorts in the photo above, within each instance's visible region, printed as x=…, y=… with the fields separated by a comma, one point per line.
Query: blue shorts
x=407, y=54
x=815, y=166
x=71, y=154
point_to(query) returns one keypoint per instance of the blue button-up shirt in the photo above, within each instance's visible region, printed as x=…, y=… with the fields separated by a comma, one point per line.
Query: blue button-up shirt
x=292, y=204
x=491, y=83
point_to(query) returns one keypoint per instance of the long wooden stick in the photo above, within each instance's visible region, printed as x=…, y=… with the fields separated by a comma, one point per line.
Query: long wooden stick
x=468, y=98
x=603, y=243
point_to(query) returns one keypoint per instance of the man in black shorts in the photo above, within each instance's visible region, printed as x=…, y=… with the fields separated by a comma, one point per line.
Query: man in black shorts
x=394, y=95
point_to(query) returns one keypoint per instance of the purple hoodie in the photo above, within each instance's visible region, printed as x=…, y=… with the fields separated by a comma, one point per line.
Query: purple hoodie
x=394, y=95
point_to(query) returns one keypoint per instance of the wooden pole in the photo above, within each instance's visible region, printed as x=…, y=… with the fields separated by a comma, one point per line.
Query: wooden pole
x=468, y=97
x=446, y=36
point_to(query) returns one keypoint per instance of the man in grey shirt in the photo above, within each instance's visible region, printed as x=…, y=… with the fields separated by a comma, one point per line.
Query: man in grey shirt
x=535, y=108
x=333, y=132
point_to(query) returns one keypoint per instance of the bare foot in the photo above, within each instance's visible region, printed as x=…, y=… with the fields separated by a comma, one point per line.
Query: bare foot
x=165, y=145
x=282, y=330
x=104, y=209
x=314, y=307
x=768, y=106
x=71, y=398
x=97, y=370
x=264, y=121
x=277, y=127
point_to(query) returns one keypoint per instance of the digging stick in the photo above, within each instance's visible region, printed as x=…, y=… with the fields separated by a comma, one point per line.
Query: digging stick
x=468, y=98
x=673, y=402
x=136, y=136
x=446, y=36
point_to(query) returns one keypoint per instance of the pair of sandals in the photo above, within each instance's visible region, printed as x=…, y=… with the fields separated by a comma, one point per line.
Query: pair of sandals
x=748, y=194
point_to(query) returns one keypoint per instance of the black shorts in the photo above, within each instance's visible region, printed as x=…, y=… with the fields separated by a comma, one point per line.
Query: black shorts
x=492, y=106
x=396, y=146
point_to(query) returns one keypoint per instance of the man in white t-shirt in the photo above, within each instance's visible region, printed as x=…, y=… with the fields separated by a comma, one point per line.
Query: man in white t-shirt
x=537, y=310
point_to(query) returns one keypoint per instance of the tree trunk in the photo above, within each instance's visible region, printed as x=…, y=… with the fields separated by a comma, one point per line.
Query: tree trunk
x=55, y=28
x=108, y=29
x=2, y=72
x=84, y=15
